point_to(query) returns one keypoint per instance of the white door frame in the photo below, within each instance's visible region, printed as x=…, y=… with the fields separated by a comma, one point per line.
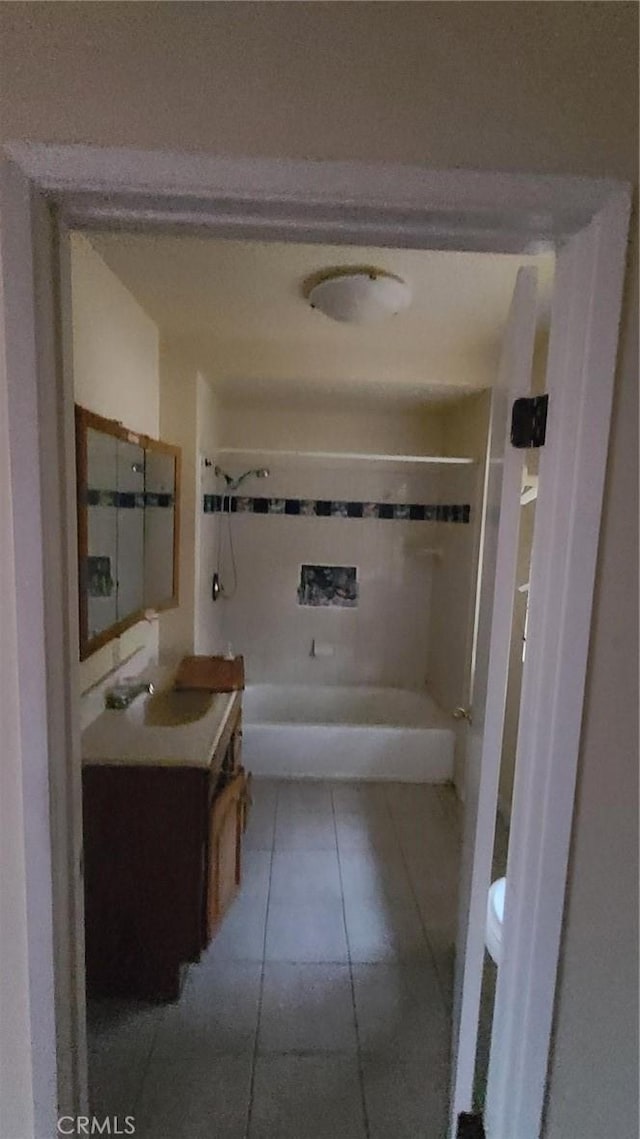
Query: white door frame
x=303, y=201
x=497, y=579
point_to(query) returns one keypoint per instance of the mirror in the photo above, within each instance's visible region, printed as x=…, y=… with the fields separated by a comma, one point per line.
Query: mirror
x=128, y=510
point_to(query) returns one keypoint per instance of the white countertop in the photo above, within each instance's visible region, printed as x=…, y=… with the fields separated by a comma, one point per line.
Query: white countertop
x=133, y=735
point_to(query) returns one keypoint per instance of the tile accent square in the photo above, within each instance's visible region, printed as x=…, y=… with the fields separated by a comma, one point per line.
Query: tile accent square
x=328, y=586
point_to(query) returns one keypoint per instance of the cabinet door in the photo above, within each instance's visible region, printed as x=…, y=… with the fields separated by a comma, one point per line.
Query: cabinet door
x=225, y=851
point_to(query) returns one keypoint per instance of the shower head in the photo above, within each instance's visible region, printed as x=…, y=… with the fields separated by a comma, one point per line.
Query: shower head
x=233, y=483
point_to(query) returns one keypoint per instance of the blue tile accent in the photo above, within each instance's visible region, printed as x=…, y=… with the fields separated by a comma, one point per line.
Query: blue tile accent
x=129, y=499
x=307, y=507
x=339, y=510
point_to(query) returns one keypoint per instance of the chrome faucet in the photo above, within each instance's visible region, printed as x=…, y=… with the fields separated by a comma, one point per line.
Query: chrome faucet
x=124, y=693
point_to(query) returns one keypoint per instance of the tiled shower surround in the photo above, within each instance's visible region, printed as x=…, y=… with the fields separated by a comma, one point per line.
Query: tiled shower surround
x=386, y=520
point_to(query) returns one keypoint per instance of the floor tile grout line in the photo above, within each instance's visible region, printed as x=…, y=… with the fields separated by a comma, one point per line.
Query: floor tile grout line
x=363, y=1098
x=147, y=1065
x=254, y=1058
x=445, y=1003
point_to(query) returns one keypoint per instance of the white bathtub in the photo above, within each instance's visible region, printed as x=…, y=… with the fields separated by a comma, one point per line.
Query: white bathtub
x=300, y=731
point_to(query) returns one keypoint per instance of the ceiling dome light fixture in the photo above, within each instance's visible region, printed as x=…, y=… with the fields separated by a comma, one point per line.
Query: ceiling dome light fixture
x=357, y=295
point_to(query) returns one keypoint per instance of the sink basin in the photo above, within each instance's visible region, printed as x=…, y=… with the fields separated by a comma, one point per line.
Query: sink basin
x=171, y=708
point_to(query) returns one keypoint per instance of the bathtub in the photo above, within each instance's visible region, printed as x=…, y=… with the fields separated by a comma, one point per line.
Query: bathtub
x=302, y=731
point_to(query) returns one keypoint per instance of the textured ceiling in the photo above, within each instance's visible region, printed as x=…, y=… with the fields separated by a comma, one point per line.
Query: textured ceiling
x=240, y=309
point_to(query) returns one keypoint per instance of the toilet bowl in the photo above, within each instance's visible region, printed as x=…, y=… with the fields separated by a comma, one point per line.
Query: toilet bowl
x=495, y=918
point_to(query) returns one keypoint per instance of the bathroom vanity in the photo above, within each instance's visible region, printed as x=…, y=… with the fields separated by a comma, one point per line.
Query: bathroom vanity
x=164, y=805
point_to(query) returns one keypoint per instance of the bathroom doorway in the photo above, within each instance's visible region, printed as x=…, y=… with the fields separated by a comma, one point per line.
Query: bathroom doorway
x=341, y=524
x=593, y=255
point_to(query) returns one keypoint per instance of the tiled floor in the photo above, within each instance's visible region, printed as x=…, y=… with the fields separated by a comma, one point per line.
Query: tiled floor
x=322, y=1009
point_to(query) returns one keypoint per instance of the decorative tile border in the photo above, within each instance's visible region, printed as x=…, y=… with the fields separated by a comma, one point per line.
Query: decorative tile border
x=335, y=586
x=127, y=500
x=324, y=508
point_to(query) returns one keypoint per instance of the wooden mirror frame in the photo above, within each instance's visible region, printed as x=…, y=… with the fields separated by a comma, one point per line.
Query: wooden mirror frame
x=86, y=419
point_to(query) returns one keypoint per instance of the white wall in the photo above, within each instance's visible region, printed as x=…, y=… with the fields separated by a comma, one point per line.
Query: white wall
x=464, y=432
x=115, y=344
x=525, y=546
x=547, y=88
x=16, y=1100
x=115, y=374
x=384, y=640
x=594, y=1074
x=207, y=634
x=178, y=425
x=384, y=432
x=514, y=684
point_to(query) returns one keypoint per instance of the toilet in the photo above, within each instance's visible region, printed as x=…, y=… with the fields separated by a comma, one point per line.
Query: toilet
x=495, y=918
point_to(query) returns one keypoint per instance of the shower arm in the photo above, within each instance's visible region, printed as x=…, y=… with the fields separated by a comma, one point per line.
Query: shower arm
x=234, y=484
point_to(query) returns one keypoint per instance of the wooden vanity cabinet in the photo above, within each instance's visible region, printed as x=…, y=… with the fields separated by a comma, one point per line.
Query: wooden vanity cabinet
x=163, y=861
x=225, y=851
